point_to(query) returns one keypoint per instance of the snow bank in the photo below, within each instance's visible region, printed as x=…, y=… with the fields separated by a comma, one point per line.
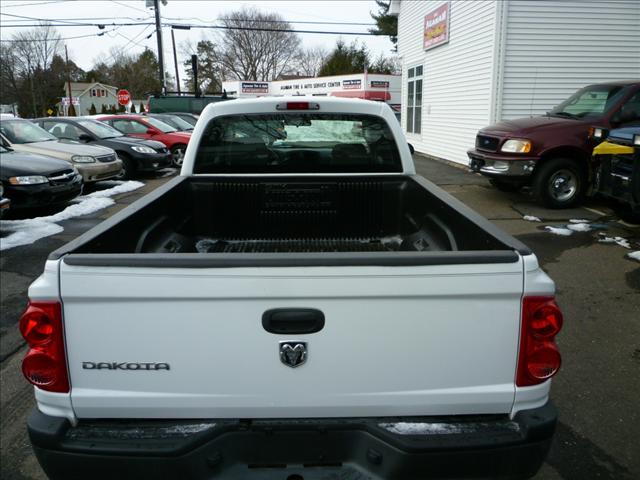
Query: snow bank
x=531, y=218
x=565, y=232
x=623, y=242
x=28, y=231
x=578, y=220
x=634, y=255
x=117, y=190
x=579, y=227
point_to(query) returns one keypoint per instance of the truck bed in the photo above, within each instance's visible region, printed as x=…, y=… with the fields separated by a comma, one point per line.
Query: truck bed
x=231, y=217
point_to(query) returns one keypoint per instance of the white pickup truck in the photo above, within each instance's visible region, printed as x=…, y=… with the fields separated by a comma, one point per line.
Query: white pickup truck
x=297, y=304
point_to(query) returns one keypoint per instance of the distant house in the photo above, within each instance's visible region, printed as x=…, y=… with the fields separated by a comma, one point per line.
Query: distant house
x=88, y=93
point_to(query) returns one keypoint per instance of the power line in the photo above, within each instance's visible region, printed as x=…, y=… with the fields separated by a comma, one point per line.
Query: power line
x=99, y=34
x=128, y=6
x=39, y=3
x=189, y=26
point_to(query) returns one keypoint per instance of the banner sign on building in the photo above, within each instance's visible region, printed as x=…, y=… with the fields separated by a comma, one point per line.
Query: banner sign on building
x=352, y=84
x=436, y=27
x=255, y=87
x=379, y=84
x=65, y=101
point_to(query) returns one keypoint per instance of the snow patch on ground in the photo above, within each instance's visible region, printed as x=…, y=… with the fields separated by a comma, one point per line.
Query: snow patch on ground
x=623, y=242
x=28, y=231
x=117, y=190
x=578, y=220
x=565, y=232
x=531, y=218
x=579, y=227
x=634, y=255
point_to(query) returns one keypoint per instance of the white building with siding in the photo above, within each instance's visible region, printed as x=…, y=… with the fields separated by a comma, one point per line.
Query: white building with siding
x=469, y=64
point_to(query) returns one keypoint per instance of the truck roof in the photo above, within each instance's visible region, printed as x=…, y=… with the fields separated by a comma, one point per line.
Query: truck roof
x=278, y=105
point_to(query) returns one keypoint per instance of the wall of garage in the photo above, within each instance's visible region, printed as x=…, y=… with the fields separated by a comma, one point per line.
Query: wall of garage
x=456, y=80
x=554, y=48
x=508, y=59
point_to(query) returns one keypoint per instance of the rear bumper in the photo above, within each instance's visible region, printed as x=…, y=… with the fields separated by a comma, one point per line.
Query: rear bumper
x=377, y=448
x=501, y=166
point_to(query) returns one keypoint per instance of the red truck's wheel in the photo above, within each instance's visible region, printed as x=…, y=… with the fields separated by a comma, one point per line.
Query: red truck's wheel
x=560, y=183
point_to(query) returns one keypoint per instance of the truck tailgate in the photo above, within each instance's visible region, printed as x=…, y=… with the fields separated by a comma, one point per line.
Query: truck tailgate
x=419, y=340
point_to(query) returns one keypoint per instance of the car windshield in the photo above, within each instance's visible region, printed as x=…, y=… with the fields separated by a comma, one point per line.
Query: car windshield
x=23, y=131
x=589, y=102
x=160, y=125
x=297, y=142
x=188, y=118
x=176, y=122
x=99, y=129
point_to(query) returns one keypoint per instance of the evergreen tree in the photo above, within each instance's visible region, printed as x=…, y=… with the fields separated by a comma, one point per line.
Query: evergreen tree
x=104, y=109
x=386, y=24
x=92, y=110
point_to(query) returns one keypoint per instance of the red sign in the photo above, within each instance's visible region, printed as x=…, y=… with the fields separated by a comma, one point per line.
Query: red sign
x=436, y=27
x=124, y=97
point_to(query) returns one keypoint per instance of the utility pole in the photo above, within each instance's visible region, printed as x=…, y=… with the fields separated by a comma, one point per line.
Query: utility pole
x=156, y=5
x=66, y=55
x=175, y=60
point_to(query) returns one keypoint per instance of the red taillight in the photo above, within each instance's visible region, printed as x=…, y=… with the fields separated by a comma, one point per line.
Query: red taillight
x=298, y=106
x=45, y=365
x=539, y=358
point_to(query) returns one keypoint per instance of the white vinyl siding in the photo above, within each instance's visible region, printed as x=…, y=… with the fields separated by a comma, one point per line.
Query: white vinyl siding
x=457, y=76
x=553, y=48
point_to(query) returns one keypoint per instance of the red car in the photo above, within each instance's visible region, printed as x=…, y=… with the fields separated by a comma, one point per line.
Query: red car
x=152, y=129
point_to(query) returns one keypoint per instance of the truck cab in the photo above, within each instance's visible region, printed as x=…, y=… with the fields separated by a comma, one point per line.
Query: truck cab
x=552, y=153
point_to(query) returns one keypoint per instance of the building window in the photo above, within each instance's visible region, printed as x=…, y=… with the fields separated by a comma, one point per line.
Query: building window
x=414, y=99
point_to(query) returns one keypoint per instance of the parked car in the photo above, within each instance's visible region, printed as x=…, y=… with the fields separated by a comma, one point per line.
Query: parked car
x=32, y=180
x=93, y=162
x=187, y=117
x=5, y=203
x=309, y=303
x=137, y=155
x=142, y=126
x=618, y=165
x=184, y=103
x=552, y=153
x=174, y=120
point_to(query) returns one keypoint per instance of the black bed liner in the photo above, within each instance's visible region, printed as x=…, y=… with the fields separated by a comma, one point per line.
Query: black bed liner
x=217, y=221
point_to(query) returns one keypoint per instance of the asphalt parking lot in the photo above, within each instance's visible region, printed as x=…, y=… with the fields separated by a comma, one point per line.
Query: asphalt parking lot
x=597, y=391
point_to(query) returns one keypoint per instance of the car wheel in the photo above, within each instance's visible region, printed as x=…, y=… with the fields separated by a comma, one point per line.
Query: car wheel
x=560, y=183
x=177, y=155
x=505, y=186
x=128, y=167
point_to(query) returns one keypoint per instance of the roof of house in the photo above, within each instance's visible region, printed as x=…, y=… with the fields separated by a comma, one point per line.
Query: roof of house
x=79, y=88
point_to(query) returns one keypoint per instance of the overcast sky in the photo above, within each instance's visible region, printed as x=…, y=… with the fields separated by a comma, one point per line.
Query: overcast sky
x=86, y=51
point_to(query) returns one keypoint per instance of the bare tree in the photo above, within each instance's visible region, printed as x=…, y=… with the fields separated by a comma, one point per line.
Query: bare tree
x=255, y=45
x=310, y=60
x=27, y=64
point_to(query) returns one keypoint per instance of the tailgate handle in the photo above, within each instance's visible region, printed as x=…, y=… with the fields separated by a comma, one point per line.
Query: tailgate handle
x=292, y=321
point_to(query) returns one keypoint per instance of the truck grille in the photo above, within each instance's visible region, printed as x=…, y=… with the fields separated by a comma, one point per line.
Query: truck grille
x=62, y=177
x=489, y=144
x=107, y=158
x=286, y=245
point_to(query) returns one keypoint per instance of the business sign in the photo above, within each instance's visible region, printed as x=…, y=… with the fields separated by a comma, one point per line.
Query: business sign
x=352, y=84
x=436, y=27
x=74, y=100
x=379, y=84
x=255, y=87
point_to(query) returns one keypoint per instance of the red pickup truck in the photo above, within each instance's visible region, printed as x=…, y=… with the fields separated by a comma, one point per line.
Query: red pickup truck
x=552, y=153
